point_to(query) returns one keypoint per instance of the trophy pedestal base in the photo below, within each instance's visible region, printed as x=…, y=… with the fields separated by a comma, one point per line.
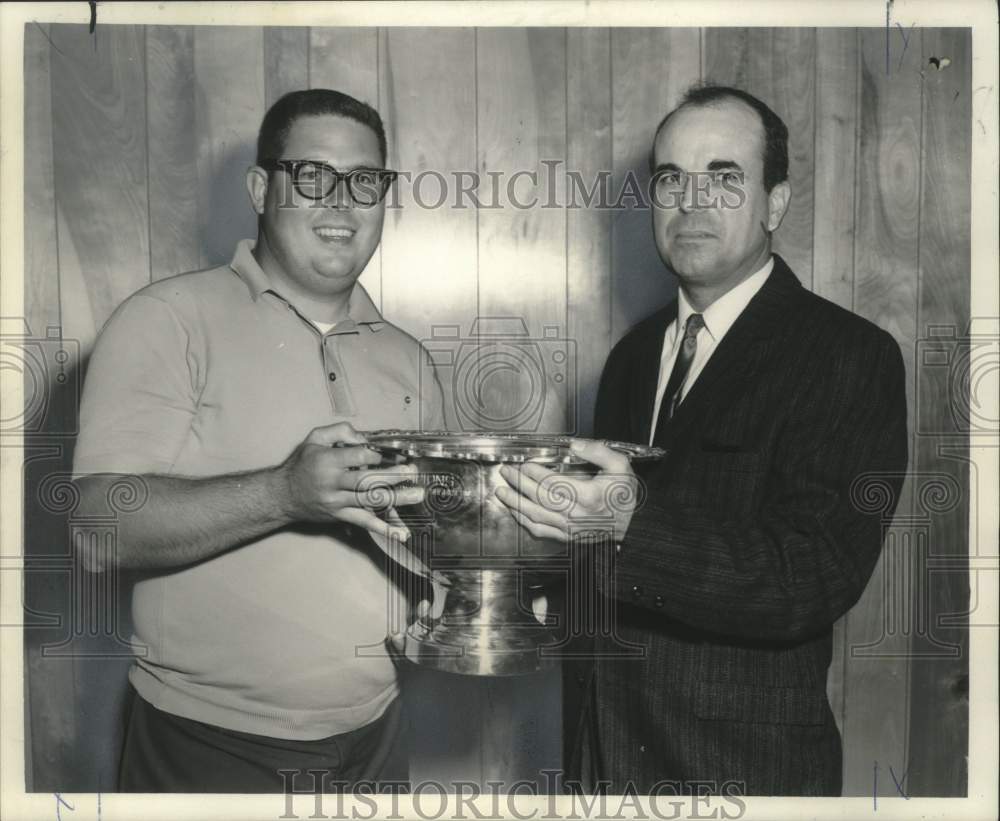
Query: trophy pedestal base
x=485, y=627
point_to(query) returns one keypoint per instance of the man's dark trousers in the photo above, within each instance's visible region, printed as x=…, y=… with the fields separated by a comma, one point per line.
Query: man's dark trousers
x=168, y=753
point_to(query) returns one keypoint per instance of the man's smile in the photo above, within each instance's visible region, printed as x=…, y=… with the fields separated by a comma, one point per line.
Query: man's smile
x=335, y=234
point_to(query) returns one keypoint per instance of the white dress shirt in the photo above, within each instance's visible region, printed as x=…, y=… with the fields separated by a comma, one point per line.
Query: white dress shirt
x=719, y=318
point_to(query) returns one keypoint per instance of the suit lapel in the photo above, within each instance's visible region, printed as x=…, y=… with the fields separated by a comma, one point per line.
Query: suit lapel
x=647, y=375
x=740, y=353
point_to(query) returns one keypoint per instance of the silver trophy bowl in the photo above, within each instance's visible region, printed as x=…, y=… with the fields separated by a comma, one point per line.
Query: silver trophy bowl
x=485, y=568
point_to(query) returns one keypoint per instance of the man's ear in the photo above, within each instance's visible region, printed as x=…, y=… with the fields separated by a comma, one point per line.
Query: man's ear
x=777, y=205
x=257, y=188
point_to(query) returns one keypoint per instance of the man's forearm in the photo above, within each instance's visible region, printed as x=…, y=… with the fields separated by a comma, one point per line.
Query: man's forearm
x=187, y=520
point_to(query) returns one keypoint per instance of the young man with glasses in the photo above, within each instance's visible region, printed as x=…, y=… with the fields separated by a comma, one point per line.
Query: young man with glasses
x=263, y=604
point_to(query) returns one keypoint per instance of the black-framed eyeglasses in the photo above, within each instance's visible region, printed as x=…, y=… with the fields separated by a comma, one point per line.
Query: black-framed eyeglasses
x=317, y=180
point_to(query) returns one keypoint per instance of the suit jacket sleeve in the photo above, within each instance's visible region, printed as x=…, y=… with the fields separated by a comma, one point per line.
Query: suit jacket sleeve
x=804, y=556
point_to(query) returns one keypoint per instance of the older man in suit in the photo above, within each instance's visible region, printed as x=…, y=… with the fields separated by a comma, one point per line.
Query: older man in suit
x=772, y=404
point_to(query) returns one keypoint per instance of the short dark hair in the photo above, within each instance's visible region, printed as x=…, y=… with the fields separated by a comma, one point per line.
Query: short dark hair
x=775, y=130
x=281, y=116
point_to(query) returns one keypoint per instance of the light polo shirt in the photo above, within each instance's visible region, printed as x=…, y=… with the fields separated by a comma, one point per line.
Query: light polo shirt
x=214, y=372
x=719, y=318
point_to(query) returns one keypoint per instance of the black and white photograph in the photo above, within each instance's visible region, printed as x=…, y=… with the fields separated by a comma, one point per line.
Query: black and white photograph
x=499, y=410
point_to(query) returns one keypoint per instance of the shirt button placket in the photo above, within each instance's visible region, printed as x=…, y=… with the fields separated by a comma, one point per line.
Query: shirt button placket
x=337, y=380
x=329, y=364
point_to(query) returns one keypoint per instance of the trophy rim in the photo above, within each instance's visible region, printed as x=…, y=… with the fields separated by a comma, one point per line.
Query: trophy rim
x=497, y=446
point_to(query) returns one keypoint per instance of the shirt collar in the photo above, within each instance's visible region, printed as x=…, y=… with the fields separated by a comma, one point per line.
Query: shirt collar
x=360, y=307
x=721, y=314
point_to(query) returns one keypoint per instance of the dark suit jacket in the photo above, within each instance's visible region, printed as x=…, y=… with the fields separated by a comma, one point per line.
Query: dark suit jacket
x=746, y=550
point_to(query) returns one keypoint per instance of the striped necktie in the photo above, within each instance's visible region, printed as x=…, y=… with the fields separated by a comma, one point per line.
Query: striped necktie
x=685, y=356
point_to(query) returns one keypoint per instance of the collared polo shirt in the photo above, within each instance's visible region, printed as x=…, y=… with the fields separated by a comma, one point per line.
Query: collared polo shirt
x=214, y=372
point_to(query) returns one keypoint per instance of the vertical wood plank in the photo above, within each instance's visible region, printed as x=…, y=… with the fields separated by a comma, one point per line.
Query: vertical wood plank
x=57, y=736
x=650, y=70
x=429, y=280
x=939, y=700
x=885, y=291
x=833, y=227
x=447, y=722
x=81, y=320
x=588, y=153
x=229, y=105
x=101, y=179
x=174, y=237
x=521, y=122
x=835, y=164
x=726, y=56
x=776, y=65
x=522, y=729
x=429, y=255
x=99, y=151
x=41, y=258
x=286, y=61
x=346, y=59
x=781, y=74
x=50, y=728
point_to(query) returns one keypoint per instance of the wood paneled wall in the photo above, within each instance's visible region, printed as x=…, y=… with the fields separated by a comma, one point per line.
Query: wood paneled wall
x=137, y=139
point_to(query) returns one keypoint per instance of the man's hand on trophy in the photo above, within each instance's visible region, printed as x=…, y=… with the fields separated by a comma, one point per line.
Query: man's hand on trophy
x=331, y=475
x=553, y=505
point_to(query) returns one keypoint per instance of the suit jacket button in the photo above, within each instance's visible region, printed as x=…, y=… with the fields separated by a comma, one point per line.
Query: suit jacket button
x=636, y=591
x=579, y=678
x=658, y=601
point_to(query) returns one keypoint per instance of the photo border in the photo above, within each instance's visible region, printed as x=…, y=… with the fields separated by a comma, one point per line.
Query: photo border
x=980, y=16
